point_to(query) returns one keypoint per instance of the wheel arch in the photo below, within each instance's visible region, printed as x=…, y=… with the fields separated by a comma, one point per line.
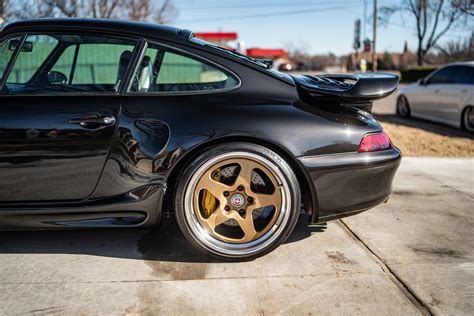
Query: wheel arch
x=309, y=200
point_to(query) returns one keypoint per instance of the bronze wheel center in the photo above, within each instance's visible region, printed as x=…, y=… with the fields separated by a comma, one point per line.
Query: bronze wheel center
x=237, y=200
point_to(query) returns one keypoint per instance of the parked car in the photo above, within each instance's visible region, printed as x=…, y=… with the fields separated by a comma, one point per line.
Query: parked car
x=113, y=124
x=445, y=96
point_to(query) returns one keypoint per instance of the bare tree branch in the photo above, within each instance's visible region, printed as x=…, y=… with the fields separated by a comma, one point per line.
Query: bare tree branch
x=433, y=19
x=161, y=11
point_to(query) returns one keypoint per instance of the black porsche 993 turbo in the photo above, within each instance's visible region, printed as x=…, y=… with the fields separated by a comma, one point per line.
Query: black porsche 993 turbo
x=111, y=124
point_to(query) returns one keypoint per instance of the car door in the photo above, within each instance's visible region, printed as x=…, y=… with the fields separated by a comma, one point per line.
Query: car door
x=431, y=91
x=58, y=111
x=453, y=95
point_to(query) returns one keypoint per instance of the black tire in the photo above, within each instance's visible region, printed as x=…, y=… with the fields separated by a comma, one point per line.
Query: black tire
x=466, y=119
x=403, y=107
x=207, y=243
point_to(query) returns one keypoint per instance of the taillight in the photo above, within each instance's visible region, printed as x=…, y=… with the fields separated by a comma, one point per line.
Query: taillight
x=374, y=142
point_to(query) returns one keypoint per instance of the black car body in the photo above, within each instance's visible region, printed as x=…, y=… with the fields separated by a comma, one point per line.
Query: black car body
x=112, y=154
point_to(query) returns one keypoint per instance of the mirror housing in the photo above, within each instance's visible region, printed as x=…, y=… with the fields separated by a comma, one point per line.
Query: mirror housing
x=27, y=46
x=56, y=78
x=421, y=81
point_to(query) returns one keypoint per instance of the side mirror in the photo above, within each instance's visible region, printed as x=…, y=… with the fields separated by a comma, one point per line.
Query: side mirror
x=56, y=78
x=421, y=81
x=27, y=46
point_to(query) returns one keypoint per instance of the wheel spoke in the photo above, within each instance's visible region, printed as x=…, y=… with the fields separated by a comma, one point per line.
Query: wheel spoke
x=216, y=188
x=245, y=174
x=262, y=200
x=217, y=218
x=247, y=226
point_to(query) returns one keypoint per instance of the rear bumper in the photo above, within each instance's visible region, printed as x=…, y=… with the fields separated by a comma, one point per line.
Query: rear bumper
x=349, y=183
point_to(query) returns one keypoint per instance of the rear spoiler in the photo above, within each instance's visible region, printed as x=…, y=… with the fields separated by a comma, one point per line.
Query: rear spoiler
x=351, y=88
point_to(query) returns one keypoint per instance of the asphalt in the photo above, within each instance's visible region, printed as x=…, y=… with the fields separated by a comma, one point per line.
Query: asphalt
x=413, y=255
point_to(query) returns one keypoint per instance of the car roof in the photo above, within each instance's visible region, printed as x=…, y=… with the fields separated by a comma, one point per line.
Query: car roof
x=462, y=63
x=120, y=26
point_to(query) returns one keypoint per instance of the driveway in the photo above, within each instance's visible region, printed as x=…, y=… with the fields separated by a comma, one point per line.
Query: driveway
x=413, y=255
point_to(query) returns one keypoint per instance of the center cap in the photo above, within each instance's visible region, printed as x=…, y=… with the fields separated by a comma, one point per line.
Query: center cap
x=237, y=200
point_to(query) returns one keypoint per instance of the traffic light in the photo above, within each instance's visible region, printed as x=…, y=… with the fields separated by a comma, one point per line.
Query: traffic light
x=356, y=44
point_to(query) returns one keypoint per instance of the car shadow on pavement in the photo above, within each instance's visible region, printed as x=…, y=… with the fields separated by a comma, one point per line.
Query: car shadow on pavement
x=164, y=243
x=428, y=126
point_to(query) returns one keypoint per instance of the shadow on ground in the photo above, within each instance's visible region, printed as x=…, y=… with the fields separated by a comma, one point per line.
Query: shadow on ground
x=440, y=129
x=165, y=243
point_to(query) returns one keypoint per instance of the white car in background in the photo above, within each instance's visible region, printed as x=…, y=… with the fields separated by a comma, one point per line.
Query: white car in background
x=446, y=95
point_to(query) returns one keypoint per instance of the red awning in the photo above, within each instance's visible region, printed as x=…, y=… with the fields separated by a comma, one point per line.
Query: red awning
x=228, y=36
x=256, y=52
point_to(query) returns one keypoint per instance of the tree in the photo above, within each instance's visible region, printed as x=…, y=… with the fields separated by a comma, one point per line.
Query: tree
x=466, y=6
x=296, y=50
x=160, y=11
x=457, y=50
x=433, y=19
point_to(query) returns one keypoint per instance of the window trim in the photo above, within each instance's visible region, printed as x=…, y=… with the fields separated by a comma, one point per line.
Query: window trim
x=123, y=84
x=13, y=58
x=180, y=93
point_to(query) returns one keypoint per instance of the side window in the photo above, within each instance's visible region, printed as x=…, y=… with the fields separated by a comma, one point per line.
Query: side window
x=444, y=75
x=7, y=48
x=99, y=63
x=64, y=63
x=162, y=70
x=463, y=75
x=29, y=60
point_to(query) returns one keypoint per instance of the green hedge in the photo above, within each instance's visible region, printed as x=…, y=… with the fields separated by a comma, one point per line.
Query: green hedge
x=413, y=74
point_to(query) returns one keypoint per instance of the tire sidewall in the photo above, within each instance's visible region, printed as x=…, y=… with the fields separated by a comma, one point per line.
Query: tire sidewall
x=399, y=112
x=280, y=163
x=463, y=119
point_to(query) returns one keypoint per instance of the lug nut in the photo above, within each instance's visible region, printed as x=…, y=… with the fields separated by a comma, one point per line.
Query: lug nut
x=250, y=199
x=226, y=193
x=227, y=208
x=240, y=188
x=242, y=211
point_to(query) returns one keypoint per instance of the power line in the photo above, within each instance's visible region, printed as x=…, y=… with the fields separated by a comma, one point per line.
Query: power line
x=264, y=15
x=245, y=6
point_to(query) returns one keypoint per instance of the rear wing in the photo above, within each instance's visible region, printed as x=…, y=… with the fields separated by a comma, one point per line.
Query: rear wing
x=351, y=88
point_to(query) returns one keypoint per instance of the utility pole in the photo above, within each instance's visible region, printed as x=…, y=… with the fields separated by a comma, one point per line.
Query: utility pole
x=364, y=25
x=374, y=52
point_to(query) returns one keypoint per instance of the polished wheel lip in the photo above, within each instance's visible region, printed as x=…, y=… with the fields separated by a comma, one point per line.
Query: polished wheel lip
x=469, y=119
x=202, y=236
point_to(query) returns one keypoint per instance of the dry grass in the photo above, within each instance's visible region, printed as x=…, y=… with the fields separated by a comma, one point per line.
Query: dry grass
x=421, y=138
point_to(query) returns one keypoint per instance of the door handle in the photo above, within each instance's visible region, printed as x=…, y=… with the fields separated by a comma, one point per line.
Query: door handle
x=93, y=120
x=436, y=91
x=464, y=91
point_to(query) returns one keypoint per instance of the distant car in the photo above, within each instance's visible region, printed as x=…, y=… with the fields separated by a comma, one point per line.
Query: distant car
x=112, y=124
x=445, y=96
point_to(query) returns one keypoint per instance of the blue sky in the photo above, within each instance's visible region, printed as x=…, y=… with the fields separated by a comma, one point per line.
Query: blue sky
x=323, y=26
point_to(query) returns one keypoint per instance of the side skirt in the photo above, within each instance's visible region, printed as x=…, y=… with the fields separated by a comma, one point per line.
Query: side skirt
x=137, y=208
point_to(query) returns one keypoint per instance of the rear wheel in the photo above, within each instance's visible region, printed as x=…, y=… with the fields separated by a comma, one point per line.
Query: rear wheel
x=237, y=201
x=403, y=108
x=468, y=119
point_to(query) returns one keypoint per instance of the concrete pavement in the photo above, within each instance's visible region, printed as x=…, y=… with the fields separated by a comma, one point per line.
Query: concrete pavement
x=414, y=255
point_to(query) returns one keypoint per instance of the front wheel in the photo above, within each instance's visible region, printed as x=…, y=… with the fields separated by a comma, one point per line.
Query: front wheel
x=237, y=201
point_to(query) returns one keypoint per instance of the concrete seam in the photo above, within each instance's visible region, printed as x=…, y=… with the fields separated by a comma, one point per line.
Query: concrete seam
x=402, y=287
